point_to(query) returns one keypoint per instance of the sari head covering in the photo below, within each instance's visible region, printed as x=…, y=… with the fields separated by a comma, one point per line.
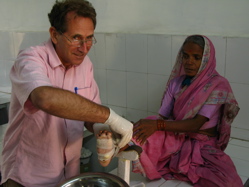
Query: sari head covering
x=207, y=87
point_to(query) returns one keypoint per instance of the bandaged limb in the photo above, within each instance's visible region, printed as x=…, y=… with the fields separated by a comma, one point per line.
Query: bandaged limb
x=106, y=147
x=107, y=143
x=114, y=134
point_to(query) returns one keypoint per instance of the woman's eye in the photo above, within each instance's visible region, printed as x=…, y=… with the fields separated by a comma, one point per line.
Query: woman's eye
x=185, y=56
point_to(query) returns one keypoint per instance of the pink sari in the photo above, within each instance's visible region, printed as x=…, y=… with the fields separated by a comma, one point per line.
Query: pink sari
x=193, y=157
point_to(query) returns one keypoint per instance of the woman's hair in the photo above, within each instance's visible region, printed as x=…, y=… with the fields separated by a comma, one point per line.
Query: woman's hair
x=196, y=39
x=57, y=16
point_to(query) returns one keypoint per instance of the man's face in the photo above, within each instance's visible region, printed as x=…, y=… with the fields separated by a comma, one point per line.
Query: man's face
x=78, y=28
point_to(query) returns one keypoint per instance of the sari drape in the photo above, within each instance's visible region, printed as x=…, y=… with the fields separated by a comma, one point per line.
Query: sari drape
x=194, y=157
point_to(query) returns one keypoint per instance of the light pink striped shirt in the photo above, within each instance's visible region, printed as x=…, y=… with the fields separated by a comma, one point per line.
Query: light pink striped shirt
x=41, y=149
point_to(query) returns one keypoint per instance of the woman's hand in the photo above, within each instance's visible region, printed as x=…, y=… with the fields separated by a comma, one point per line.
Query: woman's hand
x=143, y=129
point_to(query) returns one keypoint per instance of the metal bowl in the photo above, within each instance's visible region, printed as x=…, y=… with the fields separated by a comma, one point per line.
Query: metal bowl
x=94, y=179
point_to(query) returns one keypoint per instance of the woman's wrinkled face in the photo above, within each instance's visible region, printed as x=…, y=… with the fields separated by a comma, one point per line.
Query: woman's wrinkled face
x=191, y=58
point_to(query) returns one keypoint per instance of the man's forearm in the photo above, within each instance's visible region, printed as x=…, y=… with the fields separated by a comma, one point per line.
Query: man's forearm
x=65, y=104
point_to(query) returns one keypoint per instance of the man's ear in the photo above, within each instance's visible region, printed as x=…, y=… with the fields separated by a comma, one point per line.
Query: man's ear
x=53, y=34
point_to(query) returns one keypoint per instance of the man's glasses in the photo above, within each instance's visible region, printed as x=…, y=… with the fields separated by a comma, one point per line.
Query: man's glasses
x=78, y=42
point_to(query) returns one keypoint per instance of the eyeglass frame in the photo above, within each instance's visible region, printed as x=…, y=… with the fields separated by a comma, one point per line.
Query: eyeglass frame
x=81, y=42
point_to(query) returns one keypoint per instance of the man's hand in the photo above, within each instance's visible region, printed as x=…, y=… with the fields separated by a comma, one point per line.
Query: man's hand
x=121, y=126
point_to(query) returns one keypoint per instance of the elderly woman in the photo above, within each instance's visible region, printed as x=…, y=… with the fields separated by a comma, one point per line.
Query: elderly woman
x=187, y=139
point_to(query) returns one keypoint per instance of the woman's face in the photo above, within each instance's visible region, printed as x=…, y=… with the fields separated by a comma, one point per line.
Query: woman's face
x=191, y=58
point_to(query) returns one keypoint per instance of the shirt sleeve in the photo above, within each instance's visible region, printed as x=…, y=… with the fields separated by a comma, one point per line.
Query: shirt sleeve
x=209, y=110
x=212, y=112
x=27, y=74
x=168, y=98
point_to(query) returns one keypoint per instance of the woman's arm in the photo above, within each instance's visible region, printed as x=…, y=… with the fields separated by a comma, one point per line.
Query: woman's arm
x=146, y=127
x=187, y=125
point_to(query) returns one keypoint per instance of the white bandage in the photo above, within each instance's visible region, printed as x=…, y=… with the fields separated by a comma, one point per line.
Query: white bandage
x=105, y=144
x=108, y=144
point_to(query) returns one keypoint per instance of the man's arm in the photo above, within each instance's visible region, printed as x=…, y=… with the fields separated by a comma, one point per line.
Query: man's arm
x=89, y=126
x=65, y=104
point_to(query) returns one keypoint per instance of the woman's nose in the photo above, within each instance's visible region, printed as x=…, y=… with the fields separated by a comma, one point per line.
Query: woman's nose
x=190, y=60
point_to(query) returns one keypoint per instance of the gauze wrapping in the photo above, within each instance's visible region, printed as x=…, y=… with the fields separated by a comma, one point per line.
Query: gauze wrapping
x=108, y=144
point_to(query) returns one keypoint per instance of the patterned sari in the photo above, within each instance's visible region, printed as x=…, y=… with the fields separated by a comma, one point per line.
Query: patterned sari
x=194, y=157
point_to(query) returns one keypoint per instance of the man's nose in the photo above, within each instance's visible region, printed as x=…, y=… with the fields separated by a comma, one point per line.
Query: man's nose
x=83, y=47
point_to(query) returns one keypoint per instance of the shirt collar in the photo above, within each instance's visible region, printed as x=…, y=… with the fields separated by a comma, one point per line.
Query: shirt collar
x=53, y=59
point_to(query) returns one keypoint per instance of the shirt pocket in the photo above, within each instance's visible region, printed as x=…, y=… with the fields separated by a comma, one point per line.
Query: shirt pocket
x=84, y=91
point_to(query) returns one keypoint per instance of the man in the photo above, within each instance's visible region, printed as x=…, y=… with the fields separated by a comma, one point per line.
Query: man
x=43, y=142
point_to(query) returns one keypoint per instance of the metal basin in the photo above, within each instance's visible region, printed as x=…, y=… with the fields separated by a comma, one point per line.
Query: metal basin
x=94, y=179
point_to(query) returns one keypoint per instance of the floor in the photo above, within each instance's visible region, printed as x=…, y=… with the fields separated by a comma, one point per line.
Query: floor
x=237, y=149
